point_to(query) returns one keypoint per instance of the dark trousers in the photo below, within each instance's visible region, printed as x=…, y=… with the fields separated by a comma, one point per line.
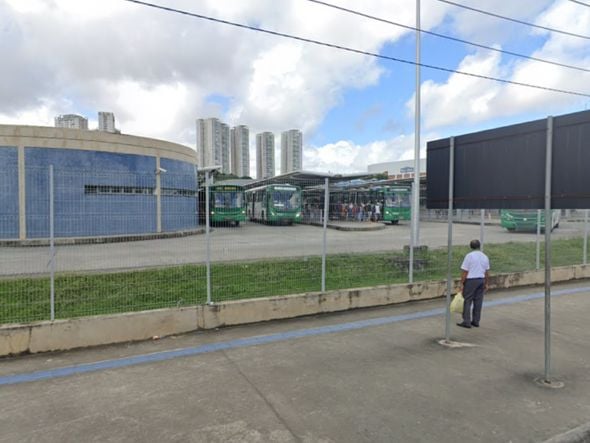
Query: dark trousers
x=473, y=295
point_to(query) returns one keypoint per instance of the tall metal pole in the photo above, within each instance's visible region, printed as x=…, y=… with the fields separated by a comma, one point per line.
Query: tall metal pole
x=411, y=262
x=482, y=223
x=548, y=169
x=416, y=196
x=325, y=240
x=208, y=237
x=538, y=251
x=450, y=239
x=51, y=245
x=586, y=236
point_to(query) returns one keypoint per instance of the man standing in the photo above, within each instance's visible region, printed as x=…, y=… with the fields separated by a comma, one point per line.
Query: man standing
x=474, y=282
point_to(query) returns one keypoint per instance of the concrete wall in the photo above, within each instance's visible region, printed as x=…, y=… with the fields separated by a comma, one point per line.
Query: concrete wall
x=92, y=331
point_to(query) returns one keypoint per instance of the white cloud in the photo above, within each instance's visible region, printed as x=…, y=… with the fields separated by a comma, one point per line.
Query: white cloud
x=41, y=115
x=464, y=100
x=155, y=106
x=155, y=70
x=91, y=52
x=345, y=156
x=461, y=98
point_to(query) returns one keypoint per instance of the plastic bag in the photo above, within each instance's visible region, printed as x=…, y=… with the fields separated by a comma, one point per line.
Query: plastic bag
x=457, y=303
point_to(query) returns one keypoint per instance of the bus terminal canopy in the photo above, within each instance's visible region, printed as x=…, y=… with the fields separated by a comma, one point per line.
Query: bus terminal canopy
x=307, y=178
x=505, y=168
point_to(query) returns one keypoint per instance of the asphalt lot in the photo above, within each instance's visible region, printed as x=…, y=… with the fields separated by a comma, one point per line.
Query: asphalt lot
x=250, y=241
x=375, y=375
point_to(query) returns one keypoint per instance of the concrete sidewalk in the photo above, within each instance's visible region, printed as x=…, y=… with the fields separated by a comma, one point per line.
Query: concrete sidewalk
x=375, y=375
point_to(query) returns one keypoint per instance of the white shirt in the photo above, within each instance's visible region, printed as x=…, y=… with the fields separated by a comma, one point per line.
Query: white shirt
x=476, y=263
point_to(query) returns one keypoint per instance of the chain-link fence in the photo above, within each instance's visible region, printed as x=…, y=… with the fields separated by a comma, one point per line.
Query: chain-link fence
x=107, y=242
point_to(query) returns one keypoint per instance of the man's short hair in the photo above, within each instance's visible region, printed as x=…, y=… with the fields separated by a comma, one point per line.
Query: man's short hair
x=475, y=244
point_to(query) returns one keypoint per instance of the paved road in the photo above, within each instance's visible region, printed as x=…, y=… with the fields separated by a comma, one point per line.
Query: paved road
x=376, y=375
x=250, y=241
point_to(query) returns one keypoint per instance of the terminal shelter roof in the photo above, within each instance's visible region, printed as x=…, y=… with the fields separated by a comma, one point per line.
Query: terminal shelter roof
x=308, y=178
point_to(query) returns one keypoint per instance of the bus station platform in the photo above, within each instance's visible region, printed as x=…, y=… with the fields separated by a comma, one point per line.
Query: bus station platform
x=351, y=225
x=372, y=375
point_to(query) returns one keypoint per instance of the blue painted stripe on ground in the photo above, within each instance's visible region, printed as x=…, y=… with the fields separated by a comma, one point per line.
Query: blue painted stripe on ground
x=253, y=341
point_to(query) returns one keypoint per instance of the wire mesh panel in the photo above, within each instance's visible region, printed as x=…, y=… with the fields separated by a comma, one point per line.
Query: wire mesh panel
x=142, y=253
x=9, y=197
x=369, y=227
x=274, y=251
x=24, y=270
x=128, y=241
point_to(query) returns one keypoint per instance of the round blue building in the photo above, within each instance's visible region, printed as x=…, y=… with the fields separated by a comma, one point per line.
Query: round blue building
x=102, y=184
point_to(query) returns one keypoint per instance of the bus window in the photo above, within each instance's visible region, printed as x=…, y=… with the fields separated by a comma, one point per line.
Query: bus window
x=404, y=200
x=398, y=200
x=228, y=199
x=218, y=200
x=285, y=199
x=391, y=200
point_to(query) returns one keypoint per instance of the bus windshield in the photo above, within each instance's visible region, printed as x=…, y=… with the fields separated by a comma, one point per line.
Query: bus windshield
x=285, y=199
x=228, y=199
x=397, y=200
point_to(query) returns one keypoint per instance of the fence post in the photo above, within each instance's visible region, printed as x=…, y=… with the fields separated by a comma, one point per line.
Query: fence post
x=585, y=236
x=548, y=170
x=538, y=250
x=325, y=241
x=51, y=246
x=208, y=237
x=159, y=171
x=411, y=263
x=450, y=240
x=482, y=227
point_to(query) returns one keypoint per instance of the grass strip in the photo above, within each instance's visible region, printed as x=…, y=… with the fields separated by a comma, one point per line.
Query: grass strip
x=24, y=300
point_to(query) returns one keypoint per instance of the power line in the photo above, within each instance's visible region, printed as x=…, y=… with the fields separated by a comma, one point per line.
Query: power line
x=491, y=48
x=580, y=3
x=356, y=51
x=559, y=31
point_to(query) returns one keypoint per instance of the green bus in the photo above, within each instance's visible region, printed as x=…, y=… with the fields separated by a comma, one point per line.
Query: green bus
x=227, y=204
x=526, y=219
x=347, y=199
x=396, y=204
x=276, y=204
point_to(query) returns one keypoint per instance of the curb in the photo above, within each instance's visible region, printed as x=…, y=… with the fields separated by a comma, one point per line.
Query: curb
x=98, y=240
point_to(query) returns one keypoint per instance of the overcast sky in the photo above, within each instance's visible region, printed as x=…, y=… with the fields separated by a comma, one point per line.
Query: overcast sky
x=159, y=71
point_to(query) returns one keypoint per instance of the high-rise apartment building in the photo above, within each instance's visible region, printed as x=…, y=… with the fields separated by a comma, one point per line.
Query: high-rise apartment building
x=291, y=151
x=225, y=153
x=213, y=144
x=265, y=155
x=240, y=151
x=106, y=122
x=72, y=121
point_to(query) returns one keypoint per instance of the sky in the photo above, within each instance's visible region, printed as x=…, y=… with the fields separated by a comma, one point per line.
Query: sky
x=159, y=71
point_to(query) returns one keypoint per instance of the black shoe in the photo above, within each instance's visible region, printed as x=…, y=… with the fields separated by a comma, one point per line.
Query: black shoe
x=464, y=325
x=475, y=325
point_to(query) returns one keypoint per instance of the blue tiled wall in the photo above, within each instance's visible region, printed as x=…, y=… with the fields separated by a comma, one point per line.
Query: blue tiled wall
x=78, y=213
x=8, y=192
x=178, y=212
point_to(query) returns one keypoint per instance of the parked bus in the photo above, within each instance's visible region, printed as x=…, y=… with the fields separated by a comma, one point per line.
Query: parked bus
x=227, y=204
x=280, y=203
x=526, y=219
x=356, y=202
x=396, y=204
